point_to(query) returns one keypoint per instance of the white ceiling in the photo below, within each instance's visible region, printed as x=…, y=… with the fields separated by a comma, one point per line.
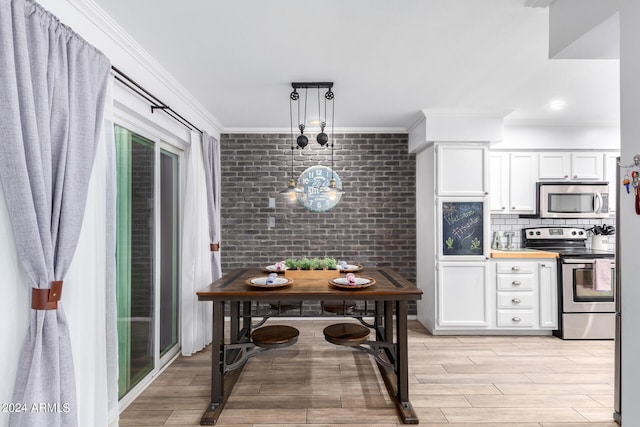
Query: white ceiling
x=387, y=59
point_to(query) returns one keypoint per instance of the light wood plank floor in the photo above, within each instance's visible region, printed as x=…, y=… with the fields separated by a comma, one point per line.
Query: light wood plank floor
x=454, y=381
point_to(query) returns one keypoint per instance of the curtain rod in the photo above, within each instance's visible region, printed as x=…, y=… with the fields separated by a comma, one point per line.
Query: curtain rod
x=156, y=103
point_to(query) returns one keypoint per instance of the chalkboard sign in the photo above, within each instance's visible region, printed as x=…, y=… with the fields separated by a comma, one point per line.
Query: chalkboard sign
x=462, y=228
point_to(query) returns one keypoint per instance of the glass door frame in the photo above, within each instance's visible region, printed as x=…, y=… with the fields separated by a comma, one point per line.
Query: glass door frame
x=168, y=142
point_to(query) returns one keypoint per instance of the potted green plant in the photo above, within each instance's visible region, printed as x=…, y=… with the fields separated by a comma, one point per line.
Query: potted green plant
x=311, y=268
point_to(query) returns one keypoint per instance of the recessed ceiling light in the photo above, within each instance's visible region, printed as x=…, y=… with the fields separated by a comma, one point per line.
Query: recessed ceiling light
x=556, y=104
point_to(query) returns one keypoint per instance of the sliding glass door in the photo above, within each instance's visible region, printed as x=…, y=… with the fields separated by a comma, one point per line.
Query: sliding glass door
x=146, y=255
x=169, y=186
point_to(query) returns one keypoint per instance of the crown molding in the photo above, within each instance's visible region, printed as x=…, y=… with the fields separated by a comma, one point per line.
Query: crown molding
x=103, y=21
x=345, y=130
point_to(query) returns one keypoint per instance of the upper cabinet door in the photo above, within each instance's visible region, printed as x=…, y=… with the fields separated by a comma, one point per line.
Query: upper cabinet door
x=564, y=166
x=462, y=170
x=499, y=182
x=587, y=166
x=522, y=179
x=554, y=166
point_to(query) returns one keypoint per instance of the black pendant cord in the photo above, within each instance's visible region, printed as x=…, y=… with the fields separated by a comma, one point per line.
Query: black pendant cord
x=291, y=131
x=156, y=103
x=305, y=107
x=333, y=115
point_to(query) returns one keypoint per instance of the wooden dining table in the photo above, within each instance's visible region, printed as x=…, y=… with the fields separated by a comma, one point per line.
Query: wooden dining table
x=386, y=302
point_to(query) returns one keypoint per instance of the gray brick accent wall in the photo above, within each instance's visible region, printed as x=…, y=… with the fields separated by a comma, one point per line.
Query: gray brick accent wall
x=374, y=224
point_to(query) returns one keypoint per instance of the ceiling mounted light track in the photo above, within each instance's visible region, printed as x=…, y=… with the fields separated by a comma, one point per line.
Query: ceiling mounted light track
x=322, y=138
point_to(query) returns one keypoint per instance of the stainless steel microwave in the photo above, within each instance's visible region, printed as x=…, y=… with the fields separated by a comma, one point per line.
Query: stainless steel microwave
x=573, y=199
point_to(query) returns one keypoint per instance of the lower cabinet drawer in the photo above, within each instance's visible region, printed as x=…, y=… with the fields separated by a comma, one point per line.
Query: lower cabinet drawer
x=516, y=300
x=516, y=267
x=515, y=282
x=516, y=318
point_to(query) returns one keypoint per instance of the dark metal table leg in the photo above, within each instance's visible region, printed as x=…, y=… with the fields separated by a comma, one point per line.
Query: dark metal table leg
x=246, y=316
x=217, y=369
x=402, y=365
x=234, y=324
x=388, y=322
x=397, y=380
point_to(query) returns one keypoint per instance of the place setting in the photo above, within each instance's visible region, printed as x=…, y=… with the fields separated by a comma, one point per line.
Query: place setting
x=351, y=282
x=272, y=281
x=345, y=267
x=279, y=267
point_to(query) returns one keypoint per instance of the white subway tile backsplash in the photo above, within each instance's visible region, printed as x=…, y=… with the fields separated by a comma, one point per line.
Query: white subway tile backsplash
x=503, y=223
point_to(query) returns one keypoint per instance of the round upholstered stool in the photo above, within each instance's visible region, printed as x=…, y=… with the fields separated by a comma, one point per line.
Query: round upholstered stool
x=275, y=336
x=349, y=334
x=339, y=307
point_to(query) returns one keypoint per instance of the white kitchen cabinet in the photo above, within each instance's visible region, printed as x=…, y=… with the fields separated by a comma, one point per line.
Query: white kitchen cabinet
x=548, y=291
x=499, y=182
x=523, y=175
x=461, y=170
x=462, y=295
x=512, y=180
x=575, y=166
x=526, y=294
x=554, y=166
x=587, y=166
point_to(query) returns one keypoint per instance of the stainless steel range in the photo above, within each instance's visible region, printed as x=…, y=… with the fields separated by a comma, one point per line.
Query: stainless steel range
x=585, y=285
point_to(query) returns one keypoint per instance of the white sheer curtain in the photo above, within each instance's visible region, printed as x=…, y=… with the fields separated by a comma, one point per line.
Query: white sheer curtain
x=196, y=316
x=212, y=170
x=85, y=294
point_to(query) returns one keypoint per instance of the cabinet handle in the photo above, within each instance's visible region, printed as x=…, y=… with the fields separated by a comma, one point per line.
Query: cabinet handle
x=575, y=176
x=515, y=268
x=503, y=208
x=513, y=207
x=566, y=176
x=516, y=283
x=516, y=301
x=516, y=319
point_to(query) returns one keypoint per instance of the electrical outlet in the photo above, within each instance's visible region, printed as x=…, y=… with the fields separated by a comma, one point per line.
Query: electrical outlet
x=272, y=202
x=271, y=222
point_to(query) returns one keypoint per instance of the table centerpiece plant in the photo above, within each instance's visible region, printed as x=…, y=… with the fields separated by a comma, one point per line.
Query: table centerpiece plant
x=311, y=268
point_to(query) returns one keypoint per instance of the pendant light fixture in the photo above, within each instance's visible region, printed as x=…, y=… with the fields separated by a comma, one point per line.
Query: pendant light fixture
x=322, y=138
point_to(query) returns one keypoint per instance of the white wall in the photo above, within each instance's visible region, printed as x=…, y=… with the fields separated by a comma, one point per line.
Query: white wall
x=559, y=137
x=629, y=251
x=86, y=19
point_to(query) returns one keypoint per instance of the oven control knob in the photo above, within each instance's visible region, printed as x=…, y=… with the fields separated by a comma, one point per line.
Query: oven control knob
x=573, y=233
x=531, y=233
x=537, y=233
x=580, y=233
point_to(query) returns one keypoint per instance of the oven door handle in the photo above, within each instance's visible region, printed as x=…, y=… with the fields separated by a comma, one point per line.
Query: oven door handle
x=577, y=261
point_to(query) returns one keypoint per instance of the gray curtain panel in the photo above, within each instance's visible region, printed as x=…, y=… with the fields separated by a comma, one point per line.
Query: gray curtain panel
x=211, y=154
x=52, y=89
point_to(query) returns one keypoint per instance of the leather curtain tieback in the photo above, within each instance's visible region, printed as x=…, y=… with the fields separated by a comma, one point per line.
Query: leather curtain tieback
x=215, y=247
x=46, y=299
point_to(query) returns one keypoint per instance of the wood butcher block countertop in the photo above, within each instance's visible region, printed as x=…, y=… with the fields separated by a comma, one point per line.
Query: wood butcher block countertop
x=522, y=253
